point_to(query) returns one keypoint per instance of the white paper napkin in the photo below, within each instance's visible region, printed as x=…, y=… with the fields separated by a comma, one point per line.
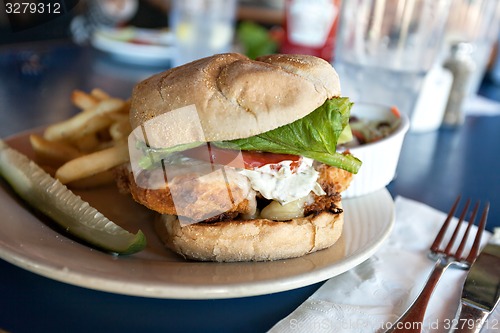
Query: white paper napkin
x=372, y=295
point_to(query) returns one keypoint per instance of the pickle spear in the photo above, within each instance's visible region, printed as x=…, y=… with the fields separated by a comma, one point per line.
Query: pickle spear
x=52, y=198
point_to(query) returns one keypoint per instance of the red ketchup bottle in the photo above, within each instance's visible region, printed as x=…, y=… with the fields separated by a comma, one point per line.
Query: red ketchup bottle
x=310, y=27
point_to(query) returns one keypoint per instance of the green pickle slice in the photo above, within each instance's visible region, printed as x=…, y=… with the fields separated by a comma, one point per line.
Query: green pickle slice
x=52, y=198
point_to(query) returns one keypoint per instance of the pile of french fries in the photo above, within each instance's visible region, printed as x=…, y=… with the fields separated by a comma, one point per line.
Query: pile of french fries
x=82, y=150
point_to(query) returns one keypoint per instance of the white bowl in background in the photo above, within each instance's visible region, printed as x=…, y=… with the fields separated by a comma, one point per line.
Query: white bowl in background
x=379, y=158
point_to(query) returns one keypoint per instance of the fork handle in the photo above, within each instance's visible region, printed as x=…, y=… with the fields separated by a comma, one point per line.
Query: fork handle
x=412, y=319
x=470, y=319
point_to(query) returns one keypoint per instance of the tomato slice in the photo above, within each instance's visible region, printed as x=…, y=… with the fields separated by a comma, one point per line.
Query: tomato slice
x=248, y=159
x=257, y=159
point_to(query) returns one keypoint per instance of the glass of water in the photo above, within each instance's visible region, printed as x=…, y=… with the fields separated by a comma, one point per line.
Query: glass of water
x=386, y=47
x=202, y=28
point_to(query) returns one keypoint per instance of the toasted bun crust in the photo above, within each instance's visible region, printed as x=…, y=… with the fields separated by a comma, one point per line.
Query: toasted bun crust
x=235, y=97
x=251, y=240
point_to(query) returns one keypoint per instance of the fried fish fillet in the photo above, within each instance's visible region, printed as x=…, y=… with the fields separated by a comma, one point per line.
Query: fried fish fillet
x=193, y=195
x=219, y=195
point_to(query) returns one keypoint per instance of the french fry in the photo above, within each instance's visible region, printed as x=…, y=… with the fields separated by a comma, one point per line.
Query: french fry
x=120, y=129
x=83, y=100
x=97, y=124
x=93, y=163
x=53, y=153
x=72, y=126
x=99, y=94
x=83, y=149
x=87, y=143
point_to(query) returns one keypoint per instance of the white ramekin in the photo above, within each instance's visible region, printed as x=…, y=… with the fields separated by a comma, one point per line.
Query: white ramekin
x=379, y=158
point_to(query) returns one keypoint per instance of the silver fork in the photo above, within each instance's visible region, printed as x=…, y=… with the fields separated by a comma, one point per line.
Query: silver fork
x=412, y=319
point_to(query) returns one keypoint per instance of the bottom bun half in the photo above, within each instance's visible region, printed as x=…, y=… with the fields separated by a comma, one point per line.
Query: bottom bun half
x=251, y=240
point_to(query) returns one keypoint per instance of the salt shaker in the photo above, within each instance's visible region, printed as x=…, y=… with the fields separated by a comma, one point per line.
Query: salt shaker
x=461, y=65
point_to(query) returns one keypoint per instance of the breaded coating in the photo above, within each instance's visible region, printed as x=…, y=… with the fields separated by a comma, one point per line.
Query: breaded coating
x=330, y=176
x=194, y=196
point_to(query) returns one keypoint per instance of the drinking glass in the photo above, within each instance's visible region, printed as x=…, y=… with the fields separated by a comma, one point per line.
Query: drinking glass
x=202, y=28
x=386, y=47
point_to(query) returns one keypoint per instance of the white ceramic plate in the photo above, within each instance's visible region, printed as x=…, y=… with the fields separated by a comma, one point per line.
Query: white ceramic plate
x=135, y=45
x=31, y=242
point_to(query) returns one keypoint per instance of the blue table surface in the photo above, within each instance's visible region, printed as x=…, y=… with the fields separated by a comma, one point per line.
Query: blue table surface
x=35, y=84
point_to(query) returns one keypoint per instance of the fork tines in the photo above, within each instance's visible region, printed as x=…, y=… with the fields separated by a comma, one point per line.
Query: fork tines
x=435, y=247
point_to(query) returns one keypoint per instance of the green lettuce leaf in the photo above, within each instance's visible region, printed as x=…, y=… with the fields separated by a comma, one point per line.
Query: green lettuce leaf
x=314, y=136
x=152, y=157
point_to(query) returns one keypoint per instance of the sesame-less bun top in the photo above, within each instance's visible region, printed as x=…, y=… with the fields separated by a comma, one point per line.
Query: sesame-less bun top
x=235, y=97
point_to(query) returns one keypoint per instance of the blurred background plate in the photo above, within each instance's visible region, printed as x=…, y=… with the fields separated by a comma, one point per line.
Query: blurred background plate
x=135, y=45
